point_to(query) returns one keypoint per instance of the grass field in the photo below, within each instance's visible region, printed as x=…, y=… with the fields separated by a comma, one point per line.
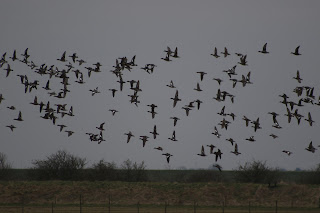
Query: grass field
x=65, y=196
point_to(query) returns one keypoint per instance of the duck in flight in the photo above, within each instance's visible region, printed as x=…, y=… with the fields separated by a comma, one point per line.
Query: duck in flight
x=236, y=150
x=175, y=120
x=264, y=49
x=218, y=167
x=173, y=137
x=310, y=121
x=171, y=85
x=168, y=155
x=113, y=111
x=8, y=69
x=297, y=77
x=296, y=51
x=63, y=57
x=11, y=127
x=129, y=135
x=144, y=139
x=211, y=148
x=154, y=132
x=218, y=154
x=215, y=54
x=19, y=117
x=311, y=148
x=201, y=75
x=216, y=133
x=176, y=98
x=198, y=88
x=287, y=152
x=202, y=153
x=225, y=53
x=159, y=148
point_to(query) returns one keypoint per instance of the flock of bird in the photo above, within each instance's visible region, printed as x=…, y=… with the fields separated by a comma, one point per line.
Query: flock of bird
x=72, y=65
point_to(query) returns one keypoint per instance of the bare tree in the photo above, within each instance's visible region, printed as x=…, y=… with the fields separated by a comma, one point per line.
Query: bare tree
x=133, y=171
x=256, y=172
x=5, y=166
x=60, y=165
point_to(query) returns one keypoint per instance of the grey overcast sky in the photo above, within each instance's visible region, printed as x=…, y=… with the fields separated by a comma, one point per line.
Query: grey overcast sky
x=102, y=31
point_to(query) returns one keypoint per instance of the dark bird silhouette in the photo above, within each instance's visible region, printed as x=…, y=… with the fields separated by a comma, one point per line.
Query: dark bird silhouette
x=264, y=49
x=113, y=111
x=231, y=141
x=63, y=57
x=129, y=135
x=273, y=136
x=211, y=148
x=175, y=53
x=225, y=53
x=176, y=98
x=154, y=132
x=19, y=117
x=14, y=56
x=173, y=137
x=61, y=126
x=144, y=140
x=101, y=127
x=310, y=121
x=69, y=132
x=311, y=148
x=159, y=148
x=216, y=133
x=12, y=127
x=198, y=103
x=287, y=152
x=297, y=77
x=236, y=150
x=247, y=120
x=201, y=75
x=218, y=80
x=251, y=139
x=11, y=107
x=168, y=155
x=113, y=92
x=218, y=167
x=218, y=154
x=171, y=85
x=175, y=120
x=296, y=51
x=202, y=153
x=8, y=69
x=215, y=54
x=198, y=88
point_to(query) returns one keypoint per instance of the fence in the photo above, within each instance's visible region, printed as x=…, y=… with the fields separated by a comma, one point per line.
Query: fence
x=166, y=207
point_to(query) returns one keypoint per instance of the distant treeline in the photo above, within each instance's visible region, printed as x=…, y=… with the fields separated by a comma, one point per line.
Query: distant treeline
x=64, y=166
x=184, y=176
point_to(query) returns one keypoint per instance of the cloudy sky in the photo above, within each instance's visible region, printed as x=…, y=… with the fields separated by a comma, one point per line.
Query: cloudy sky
x=102, y=31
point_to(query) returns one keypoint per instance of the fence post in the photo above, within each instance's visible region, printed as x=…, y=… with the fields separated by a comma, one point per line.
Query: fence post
x=109, y=205
x=194, y=206
x=319, y=202
x=222, y=206
x=52, y=207
x=138, y=205
x=80, y=204
x=165, y=207
x=276, y=206
x=22, y=204
x=249, y=207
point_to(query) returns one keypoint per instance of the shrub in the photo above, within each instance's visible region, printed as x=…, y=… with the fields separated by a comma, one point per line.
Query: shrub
x=61, y=165
x=133, y=172
x=104, y=170
x=257, y=172
x=5, y=167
